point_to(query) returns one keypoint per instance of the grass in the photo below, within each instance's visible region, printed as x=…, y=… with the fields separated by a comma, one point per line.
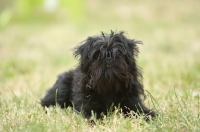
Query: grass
x=32, y=54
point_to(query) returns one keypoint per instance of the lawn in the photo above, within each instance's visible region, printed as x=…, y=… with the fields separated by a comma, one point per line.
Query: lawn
x=34, y=52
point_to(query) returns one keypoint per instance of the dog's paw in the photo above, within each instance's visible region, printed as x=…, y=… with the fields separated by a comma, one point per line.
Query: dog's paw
x=149, y=115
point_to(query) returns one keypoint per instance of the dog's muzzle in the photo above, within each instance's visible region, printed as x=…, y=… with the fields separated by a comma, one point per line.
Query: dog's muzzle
x=109, y=62
x=109, y=59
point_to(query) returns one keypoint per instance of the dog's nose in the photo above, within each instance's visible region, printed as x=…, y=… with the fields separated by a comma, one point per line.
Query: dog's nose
x=108, y=62
x=108, y=58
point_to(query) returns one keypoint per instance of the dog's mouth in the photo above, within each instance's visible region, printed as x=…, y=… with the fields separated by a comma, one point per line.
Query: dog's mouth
x=110, y=80
x=109, y=72
x=108, y=65
x=108, y=62
x=108, y=76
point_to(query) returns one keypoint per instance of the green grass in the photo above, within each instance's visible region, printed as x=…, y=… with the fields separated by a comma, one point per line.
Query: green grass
x=33, y=54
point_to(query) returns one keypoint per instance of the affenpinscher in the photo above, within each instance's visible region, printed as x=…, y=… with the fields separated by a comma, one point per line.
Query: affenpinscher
x=107, y=76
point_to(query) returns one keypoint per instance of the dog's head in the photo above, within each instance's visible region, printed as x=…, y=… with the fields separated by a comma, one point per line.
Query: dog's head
x=108, y=62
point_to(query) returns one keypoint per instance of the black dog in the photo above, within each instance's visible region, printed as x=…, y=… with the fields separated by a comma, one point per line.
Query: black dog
x=106, y=76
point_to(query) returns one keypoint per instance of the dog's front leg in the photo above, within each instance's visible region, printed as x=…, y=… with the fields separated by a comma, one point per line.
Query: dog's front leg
x=135, y=104
x=60, y=93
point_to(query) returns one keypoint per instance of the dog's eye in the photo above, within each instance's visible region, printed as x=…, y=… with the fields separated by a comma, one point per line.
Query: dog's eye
x=96, y=55
x=118, y=53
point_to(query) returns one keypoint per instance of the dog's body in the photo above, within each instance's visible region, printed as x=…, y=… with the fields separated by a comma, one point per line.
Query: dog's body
x=106, y=76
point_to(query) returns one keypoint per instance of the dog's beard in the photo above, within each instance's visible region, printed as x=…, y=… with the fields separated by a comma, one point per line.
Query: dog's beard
x=111, y=78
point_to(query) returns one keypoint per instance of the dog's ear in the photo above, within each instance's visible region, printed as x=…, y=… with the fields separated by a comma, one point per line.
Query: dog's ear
x=83, y=51
x=79, y=51
x=131, y=45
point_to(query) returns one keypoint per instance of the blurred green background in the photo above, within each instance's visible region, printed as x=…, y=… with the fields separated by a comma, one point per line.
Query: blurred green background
x=37, y=38
x=38, y=35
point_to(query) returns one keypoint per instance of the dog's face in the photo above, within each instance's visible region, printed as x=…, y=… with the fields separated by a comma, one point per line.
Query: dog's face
x=108, y=61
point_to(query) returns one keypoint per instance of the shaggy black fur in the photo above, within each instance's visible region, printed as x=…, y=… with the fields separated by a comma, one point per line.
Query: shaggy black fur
x=106, y=76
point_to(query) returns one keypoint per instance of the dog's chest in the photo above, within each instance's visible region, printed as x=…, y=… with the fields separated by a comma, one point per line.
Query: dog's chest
x=106, y=100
